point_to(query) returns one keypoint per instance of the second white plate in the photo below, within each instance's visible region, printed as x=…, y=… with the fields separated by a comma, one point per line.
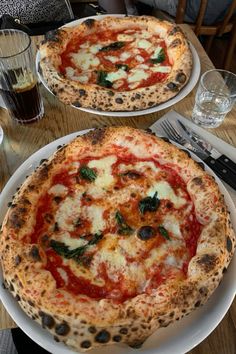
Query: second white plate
x=183, y=93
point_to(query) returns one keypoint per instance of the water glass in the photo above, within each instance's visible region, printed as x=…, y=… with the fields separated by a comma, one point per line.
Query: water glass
x=215, y=97
x=18, y=79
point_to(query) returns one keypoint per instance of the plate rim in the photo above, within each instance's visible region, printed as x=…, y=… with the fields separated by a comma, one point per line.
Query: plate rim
x=194, y=77
x=7, y=299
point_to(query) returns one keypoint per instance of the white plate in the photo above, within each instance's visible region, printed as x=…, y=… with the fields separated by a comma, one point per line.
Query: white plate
x=184, y=92
x=177, y=338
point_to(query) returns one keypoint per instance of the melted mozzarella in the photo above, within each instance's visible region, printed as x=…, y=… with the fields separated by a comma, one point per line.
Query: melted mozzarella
x=58, y=189
x=144, y=44
x=117, y=75
x=111, y=58
x=95, y=214
x=161, y=69
x=139, y=58
x=172, y=225
x=68, y=212
x=85, y=60
x=95, y=48
x=81, y=78
x=104, y=166
x=125, y=55
x=63, y=274
x=164, y=191
x=137, y=75
x=70, y=71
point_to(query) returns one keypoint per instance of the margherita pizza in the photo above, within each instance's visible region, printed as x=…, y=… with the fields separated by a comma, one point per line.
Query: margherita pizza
x=117, y=234
x=116, y=64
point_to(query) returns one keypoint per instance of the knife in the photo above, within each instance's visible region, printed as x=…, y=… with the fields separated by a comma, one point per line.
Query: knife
x=209, y=149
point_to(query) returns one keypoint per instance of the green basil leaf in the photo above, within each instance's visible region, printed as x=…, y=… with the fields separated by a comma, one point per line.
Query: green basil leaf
x=112, y=46
x=76, y=254
x=164, y=232
x=87, y=173
x=124, y=228
x=101, y=79
x=160, y=58
x=149, y=204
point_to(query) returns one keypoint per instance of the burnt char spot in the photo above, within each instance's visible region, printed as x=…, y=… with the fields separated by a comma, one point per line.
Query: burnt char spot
x=198, y=303
x=136, y=345
x=82, y=92
x=57, y=199
x=62, y=329
x=96, y=136
x=197, y=181
x=201, y=164
x=123, y=330
x=17, y=260
x=43, y=173
x=176, y=42
x=52, y=36
x=92, y=329
x=172, y=86
x=119, y=100
x=34, y=253
x=208, y=262
x=56, y=339
x=89, y=23
x=117, y=338
x=174, y=31
x=181, y=77
x=17, y=297
x=42, y=161
x=103, y=336
x=4, y=286
x=85, y=344
x=186, y=152
x=229, y=244
x=15, y=220
x=76, y=104
x=47, y=320
x=165, y=139
x=110, y=93
x=203, y=291
x=137, y=96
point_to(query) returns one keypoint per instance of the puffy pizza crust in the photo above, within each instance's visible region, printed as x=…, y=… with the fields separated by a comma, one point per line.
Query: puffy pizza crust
x=97, y=97
x=83, y=323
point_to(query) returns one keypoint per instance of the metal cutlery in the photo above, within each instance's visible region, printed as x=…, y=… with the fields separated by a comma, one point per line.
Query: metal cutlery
x=217, y=166
x=208, y=148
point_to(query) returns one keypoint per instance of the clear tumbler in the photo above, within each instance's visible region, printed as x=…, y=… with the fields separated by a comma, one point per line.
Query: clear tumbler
x=18, y=79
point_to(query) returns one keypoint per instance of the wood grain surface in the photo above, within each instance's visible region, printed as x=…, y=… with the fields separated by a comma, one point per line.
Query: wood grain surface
x=22, y=141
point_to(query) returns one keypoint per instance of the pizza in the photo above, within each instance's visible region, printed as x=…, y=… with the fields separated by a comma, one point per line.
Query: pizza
x=117, y=63
x=117, y=234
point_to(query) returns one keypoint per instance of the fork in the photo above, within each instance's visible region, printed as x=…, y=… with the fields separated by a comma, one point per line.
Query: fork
x=173, y=134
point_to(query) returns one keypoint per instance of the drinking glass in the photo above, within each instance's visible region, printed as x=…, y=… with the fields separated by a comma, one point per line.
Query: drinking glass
x=215, y=97
x=18, y=79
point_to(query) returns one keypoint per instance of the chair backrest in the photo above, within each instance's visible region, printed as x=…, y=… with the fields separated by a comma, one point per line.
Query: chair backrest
x=198, y=26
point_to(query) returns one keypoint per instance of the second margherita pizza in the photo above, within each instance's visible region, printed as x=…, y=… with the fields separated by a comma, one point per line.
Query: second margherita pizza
x=116, y=64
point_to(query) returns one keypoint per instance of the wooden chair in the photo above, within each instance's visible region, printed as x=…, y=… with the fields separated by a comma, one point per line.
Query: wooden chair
x=228, y=25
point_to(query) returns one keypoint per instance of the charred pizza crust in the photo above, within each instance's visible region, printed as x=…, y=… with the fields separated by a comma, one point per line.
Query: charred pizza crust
x=97, y=97
x=81, y=322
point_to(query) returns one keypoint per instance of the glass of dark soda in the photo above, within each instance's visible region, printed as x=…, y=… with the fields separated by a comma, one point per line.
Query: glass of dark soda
x=18, y=79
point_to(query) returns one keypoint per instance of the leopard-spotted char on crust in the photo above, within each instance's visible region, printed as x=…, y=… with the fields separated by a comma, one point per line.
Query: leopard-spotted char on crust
x=81, y=322
x=109, y=99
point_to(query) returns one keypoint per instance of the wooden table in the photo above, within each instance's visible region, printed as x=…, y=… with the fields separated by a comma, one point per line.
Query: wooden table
x=59, y=120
